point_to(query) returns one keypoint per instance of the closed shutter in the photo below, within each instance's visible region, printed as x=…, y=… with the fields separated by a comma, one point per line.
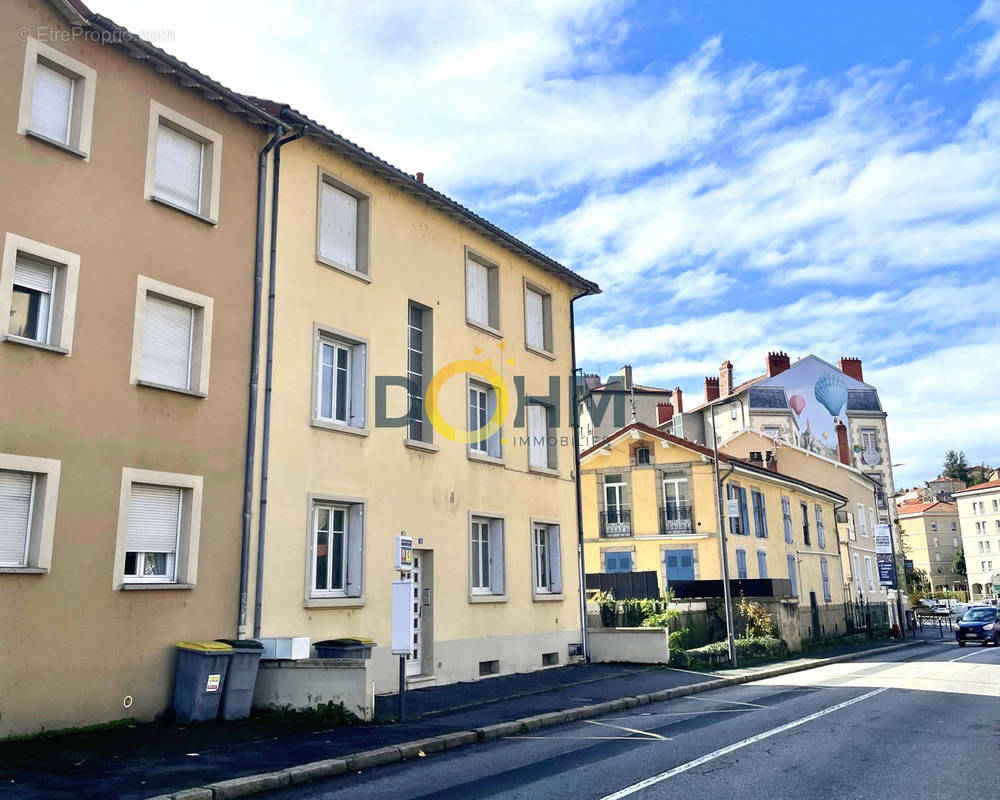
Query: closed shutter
x=15, y=516
x=338, y=226
x=496, y=556
x=153, y=519
x=178, y=169
x=538, y=451
x=792, y=577
x=761, y=564
x=534, y=319
x=166, y=343
x=478, y=291
x=52, y=104
x=493, y=443
x=33, y=274
x=358, y=379
x=355, y=549
x=555, y=559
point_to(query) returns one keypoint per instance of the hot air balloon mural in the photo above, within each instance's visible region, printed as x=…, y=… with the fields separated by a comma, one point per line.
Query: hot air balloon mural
x=797, y=402
x=831, y=391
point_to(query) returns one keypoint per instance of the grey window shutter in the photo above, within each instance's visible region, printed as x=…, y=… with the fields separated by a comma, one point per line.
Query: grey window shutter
x=166, y=343
x=355, y=549
x=178, y=169
x=359, y=369
x=52, y=103
x=153, y=519
x=496, y=556
x=15, y=516
x=493, y=443
x=555, y=559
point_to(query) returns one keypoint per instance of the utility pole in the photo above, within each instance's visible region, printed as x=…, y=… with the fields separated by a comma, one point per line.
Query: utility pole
x=721, y=516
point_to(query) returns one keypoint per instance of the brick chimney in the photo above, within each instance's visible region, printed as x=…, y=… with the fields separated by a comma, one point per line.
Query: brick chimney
x=626, y=372
x=678, y=400
x=711, y=389
x=726, y=379
x=852, y=368
x=771, y=460
x=664, y=412
x=777, y=363
x=843, y=449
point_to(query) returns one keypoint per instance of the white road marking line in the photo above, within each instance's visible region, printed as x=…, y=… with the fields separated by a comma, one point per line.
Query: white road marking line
x=670, y=773
x=648, y=734
x=717, y=700
x=694, y=672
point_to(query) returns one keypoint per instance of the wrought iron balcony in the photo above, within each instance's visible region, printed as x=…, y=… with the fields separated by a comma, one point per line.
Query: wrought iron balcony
x=616, y=523
x=676, y=520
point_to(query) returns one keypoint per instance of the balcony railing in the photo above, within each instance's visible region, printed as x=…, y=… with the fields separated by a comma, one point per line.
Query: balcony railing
x=616, y=523
x=675, y=520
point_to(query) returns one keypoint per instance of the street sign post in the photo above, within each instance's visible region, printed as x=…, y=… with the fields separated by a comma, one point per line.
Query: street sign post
x=400, y=640
x=884, y=556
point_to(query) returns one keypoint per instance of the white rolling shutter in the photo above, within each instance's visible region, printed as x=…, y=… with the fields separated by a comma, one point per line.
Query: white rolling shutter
x=32, y=274
x=534, y=319
x=477, y=278
x=166, y=343
x=538, y=450
x=338, y=232
x=153, y=519
x=52, y=103
x=15, y=516
x=178, y=169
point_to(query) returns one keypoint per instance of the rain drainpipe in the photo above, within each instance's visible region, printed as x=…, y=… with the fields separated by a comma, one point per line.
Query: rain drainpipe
x=584, y=639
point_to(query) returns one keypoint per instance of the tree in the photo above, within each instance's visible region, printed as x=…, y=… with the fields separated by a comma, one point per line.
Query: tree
x=955, y=465
x=917, y=580
x=958, y=565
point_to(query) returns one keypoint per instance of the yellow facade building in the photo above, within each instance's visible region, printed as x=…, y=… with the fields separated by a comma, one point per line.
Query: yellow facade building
x=650, y=503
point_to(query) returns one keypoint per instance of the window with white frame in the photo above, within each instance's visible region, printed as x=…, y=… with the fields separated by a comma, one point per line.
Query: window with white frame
x=31, y=299
x=336, y=545
x=17, y=493
x=486, y=556
x=869, y=575
x=872, y=520
x=933, y=526
x=419, y=368
x=183, y=163
x=339, y=394
x=862, y=520
x=482, y=407
x=482, y=292
x=954, y=541
x=857, y=571
x=29, y=488
x=172, y=340
x=57, y=98
x=342, y=226
x=772, y=431
x=537, y=319
x=541, y=440
x=546, y=554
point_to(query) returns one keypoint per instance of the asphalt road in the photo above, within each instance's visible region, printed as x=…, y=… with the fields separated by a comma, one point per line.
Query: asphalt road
x=914, y=724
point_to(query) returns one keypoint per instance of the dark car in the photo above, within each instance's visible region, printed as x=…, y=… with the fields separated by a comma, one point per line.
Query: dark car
x=978, y=625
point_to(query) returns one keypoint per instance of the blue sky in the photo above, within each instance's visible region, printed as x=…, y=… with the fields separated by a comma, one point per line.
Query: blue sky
x=739, y=177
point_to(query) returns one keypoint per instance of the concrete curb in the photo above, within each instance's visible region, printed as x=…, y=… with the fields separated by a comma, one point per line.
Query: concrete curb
x=304, y=773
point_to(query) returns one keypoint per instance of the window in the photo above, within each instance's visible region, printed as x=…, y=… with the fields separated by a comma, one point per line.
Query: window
x=541, y=441
x=537, y=319
x=482, y=293
x=772, y=431
x=953, y=526
x=617, y=561
x=642, y=455
x=38, y=286
x=741, y=564
x=862, y=520
x=869, y=574
x=825, y=574
x=740, y=523
x=419, y=369
x=996, y=505
x=337, y=548
x=677, y=516
x=786, y=518
x=159, y=522
x=183, y=163
x=937, y=555
x=792, y=577
x=857, y=572
x=759, y=514
x=820, y=528
x=57, y=99
x=936, y=542
x=487, y=556
x=616, y=514
x=339, y=395
x=546, y=559
x=954, y=541
x=732, y=410
x=342, y=228
x=171, y=343
x=804, y=508
x=869, y=441
x=933, y=526
x=482, y=408
x=29, y=488
x=872, y=520
x=761, y=564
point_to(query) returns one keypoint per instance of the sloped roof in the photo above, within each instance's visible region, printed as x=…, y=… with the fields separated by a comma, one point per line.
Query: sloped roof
x=918, y=509
x=979, y=487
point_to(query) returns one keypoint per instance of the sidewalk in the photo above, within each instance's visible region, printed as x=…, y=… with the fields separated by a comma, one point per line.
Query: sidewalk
x=158, y=759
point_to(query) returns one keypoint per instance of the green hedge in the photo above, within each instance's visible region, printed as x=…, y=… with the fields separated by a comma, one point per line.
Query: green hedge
x=748, y=651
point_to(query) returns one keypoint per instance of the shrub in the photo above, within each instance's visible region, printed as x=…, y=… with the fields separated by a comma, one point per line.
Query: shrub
x=748, y=651
x=752, y=619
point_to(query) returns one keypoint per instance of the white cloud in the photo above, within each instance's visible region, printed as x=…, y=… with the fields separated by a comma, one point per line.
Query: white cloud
x=983, y=57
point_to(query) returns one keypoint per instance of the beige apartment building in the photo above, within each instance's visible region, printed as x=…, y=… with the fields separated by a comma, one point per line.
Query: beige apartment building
x=932, y=537
x=979, y=522
x=127, y=217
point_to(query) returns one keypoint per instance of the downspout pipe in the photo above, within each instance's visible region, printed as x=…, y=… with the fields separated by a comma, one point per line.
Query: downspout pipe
x=265, y=449
x=584, y=639
x=251, y=440
x=721, y=517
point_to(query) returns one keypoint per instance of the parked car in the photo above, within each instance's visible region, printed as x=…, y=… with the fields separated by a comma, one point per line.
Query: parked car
x=979, y=624
x=958, y=610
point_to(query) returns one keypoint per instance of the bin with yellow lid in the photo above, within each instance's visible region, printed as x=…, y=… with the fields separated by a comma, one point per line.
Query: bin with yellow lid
x=199, y=679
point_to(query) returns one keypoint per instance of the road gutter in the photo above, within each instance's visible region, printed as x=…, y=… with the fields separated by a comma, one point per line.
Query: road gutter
x=316, y=770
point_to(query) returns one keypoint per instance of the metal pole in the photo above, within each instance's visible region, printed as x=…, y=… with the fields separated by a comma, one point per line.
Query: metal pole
x=895, y=567
x=402, y=689
x=580, y=564
x=726, y=593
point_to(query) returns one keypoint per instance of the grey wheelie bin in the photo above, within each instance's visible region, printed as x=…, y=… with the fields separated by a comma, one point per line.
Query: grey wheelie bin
x=199, y=679
x=238, y=693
